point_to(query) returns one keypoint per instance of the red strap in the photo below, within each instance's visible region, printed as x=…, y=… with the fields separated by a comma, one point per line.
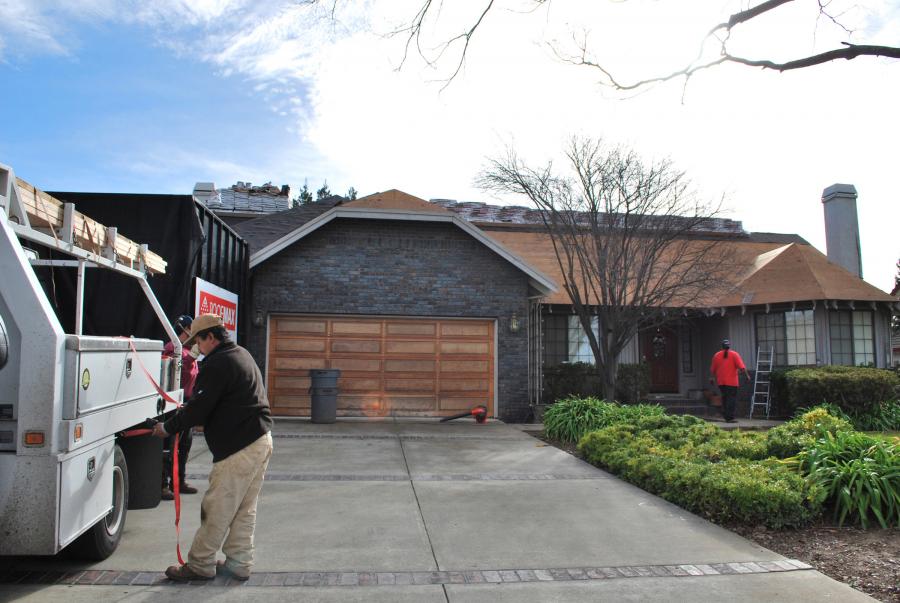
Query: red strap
x=176, y=486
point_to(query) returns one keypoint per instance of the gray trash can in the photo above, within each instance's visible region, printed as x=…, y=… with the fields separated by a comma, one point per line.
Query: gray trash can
x=324, y=391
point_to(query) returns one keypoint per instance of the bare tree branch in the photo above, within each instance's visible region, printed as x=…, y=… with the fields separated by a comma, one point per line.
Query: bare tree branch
x=630, y=238
x=721, y=33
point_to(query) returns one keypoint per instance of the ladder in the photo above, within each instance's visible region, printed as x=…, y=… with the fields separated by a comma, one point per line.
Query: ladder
x=762, y=384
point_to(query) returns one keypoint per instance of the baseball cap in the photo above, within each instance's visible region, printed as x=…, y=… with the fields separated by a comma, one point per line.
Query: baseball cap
x=201, y=323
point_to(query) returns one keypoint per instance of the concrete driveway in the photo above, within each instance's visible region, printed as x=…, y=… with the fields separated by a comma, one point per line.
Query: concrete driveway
x=421, y=511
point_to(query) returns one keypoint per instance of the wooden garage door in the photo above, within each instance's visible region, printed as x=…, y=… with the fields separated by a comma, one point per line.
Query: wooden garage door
x=389, y=366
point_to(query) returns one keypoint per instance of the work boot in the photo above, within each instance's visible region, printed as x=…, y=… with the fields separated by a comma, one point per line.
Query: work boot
x=224, y=570
x=167, y=493
x=182, y=573
x=187, y=489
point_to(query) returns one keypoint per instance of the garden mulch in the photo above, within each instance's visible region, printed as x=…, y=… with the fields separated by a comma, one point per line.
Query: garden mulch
x=867, y=560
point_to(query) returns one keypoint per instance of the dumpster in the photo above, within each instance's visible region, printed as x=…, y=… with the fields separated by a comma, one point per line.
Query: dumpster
x=323, y=390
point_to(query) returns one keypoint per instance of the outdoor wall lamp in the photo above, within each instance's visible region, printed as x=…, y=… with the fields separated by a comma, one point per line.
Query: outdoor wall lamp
x=258, y=319
x=514, y=324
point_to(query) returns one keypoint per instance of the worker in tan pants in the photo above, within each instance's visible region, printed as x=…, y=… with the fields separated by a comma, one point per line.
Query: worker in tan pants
x=231, y=496
x=230, y=402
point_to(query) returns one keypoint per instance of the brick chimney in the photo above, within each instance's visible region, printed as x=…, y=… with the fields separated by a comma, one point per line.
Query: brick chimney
x=842, y=227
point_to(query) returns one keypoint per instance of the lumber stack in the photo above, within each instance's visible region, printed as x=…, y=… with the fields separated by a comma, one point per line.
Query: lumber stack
x=46, y=212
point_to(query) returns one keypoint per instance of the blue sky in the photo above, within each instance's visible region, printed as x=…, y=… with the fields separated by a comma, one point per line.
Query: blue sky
x=124, y=114
x=134, y=96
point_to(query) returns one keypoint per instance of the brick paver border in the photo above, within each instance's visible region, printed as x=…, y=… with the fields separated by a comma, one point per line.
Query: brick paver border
x=363, y=578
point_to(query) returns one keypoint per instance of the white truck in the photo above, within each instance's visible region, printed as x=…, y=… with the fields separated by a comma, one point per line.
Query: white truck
x=67, y=399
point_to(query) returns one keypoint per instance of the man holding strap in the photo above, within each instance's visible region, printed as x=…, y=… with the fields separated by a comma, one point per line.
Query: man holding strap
x=230, y=403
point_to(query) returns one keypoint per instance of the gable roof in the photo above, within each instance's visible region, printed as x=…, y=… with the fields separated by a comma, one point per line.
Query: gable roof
x=393, y=205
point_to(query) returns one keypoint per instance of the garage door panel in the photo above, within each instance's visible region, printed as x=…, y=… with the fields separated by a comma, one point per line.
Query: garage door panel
x=295, y=364
x=301, y=325
x=465, y=366
x=465, y=385
x=421, y=385
x=424, y=329
x=299, y=345
x=410, y=347
x=410, y=402
x=409, y=366
x=284, y=383
x=355, y=328
x=354, y=364
x=461, y=404
x=416, y=367
x=465, y=348
x=356, y=347
x=464, y=329
x=290, y=401
x=360, y=384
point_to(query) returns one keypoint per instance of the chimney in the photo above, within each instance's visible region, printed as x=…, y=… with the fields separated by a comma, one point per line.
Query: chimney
x=842, y=227
x=206, y=193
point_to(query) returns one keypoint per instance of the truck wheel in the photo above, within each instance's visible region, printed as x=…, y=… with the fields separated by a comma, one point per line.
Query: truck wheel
x=103, y=537
x=144, y=455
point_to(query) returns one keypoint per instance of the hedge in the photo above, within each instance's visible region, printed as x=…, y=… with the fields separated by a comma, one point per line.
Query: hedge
x=849, y=387
x=705, y=470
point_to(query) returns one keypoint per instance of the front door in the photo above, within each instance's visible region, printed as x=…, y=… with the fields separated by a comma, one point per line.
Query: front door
x=659, y=348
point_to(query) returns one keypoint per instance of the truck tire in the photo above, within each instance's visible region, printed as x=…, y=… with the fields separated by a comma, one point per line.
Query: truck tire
x=103, y=537
x=144, y=455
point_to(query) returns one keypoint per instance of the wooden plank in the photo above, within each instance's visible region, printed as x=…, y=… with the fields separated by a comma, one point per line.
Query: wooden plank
x=45, y=211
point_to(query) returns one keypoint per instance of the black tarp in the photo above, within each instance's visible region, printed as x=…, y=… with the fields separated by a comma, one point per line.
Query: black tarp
x=114, y=304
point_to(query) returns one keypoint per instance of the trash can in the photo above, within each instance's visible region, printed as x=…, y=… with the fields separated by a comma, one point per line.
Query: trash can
x=324, y=391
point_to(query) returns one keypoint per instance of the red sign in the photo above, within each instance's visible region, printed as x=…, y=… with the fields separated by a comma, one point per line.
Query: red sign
x=211, y=304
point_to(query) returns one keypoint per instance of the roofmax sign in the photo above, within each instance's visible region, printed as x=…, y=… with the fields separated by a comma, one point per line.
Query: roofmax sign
x=211, y=299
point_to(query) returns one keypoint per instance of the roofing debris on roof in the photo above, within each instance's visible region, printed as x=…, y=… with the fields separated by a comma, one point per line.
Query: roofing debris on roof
x=244, y=197
x=515, y=214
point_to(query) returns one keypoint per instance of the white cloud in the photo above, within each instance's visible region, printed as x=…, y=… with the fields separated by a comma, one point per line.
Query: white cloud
x=770, y=141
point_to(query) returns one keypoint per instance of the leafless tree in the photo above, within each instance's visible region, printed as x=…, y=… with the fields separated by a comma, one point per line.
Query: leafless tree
x=631, y=239
x=720, y=34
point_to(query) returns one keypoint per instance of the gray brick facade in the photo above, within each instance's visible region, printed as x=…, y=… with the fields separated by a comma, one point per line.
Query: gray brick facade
x=394, y=268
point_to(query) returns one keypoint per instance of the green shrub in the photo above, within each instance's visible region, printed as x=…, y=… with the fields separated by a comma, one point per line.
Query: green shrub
x=884, y=416
x=851, y=388
x=732, y=489
x=569, y=419
x=790, y=438
x=860, y=474
x=571, y=379
x=632, y=382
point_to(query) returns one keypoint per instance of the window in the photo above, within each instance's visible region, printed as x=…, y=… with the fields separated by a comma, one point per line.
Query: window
x=791, y=333
x=687, y=351
x=852, y=339
x=565, y=340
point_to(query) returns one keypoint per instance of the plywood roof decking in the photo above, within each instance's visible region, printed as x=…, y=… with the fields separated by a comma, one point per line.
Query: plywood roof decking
x=394, y=199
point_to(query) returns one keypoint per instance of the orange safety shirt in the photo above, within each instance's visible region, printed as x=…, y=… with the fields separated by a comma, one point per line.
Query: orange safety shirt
x=725, y=369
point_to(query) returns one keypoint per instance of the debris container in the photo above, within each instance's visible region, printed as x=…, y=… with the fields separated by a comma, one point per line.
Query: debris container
x=323, y=390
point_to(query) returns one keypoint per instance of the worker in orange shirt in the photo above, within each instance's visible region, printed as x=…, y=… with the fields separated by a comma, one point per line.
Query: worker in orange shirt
x=724, y=372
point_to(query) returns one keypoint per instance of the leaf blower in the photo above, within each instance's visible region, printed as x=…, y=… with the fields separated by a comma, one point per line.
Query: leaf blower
x=479, y=412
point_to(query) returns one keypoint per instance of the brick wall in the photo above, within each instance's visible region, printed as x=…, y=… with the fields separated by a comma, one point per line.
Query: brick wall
x=398, y=268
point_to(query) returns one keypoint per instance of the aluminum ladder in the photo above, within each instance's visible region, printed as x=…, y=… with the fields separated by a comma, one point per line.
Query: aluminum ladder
x=762, y=380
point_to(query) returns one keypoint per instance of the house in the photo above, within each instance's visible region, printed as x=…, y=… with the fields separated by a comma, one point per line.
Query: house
x=430, y=308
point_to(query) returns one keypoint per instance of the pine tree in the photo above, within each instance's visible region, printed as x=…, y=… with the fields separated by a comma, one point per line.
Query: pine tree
x=351, y=194
x=305, y=197
x=323, y=193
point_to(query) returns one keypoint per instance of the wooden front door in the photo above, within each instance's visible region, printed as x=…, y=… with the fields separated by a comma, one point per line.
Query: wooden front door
x=389, y=365
x=659, y=349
